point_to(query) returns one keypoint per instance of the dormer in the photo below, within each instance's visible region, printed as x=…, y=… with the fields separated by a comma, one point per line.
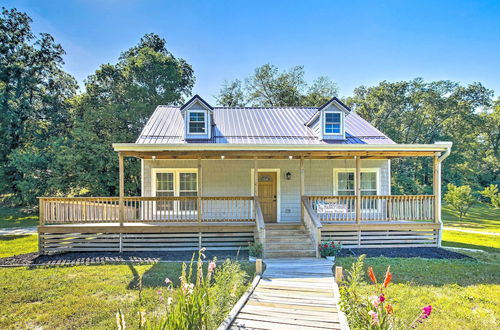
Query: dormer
x=329, y=121
x=197, y=115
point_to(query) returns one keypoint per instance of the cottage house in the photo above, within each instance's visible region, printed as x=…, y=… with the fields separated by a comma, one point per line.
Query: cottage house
x=221, y=177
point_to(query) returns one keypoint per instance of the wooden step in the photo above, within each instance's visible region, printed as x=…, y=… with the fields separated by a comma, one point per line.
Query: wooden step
x=285, y=232
x=288, y=246
x=287, y=239
x=284, y=226
x=294, y=253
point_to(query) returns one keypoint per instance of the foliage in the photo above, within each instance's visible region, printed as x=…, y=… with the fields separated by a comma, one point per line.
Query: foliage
x=416, y=111
x=460, y=198
x=201, y=304
x=34, y=108
x=492, y=194
x=463, y=292
x=374, y=312
x=255, y=249
x=269, y=87
x=329, y=248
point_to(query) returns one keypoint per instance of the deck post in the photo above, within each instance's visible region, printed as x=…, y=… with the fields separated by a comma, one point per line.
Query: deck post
x=255, y=182
x=121, y=209
x=437, y=195
x=302, y=186
x=357, y=189
x=198, y=204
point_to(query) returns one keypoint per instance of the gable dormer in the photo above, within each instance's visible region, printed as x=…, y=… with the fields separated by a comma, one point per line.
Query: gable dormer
x=197, y=115
x=329, y=121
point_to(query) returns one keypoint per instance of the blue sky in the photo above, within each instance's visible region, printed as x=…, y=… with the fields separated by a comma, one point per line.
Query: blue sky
x=353, y=42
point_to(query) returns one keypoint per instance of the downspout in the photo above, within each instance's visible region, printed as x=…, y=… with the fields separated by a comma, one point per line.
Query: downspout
x=440, y=160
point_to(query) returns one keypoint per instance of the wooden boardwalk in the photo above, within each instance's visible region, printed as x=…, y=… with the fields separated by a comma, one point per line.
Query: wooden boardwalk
x=292, y=294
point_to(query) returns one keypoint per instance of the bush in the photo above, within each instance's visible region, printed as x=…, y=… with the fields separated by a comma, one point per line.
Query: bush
x=492, y=195
x=329, y=248
x=460, y=198
x=255, y=249
x=199, y=304
x=373, y=312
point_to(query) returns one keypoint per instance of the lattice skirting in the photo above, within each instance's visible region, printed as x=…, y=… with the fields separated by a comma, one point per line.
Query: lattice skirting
x=383, y=238
x=116, y=242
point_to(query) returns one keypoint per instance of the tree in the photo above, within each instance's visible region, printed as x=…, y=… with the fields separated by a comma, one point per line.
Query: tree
x=118, y=101
x=460, y=198
x=270, y=87
x=33, y=104
x=492, y=195
x=425, y=112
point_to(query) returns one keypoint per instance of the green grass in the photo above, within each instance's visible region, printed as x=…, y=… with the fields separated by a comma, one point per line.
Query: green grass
x=463, y=293
x=480, y=217
x=471, y=241
x=16, y=217
x=81, y=296
x=11, y=245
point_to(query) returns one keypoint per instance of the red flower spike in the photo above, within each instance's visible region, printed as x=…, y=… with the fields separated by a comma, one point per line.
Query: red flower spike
x=372, y=275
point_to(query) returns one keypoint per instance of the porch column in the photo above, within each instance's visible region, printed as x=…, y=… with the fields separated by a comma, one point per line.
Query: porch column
x=436, y=183
x=302, y=186
x=255, y=184
x=198, y=203
x=121, y=210
x=357, y=188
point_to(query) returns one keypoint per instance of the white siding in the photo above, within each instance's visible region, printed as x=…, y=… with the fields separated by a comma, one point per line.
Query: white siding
x=233, y=178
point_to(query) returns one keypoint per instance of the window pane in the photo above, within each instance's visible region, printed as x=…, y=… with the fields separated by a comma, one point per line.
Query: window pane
x=369, y=180
x=197, y=116
x=187, y=182
x=332, y=128
x=368, y=193
x=346, y=192
x=196, y=127
x=165, y=181
x=345, y=181
x=332, y=117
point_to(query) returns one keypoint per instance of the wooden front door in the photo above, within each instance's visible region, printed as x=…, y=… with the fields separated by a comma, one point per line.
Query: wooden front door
x=268, y=195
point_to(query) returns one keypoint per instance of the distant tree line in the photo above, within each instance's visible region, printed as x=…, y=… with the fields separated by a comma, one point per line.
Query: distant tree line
x=57, y=141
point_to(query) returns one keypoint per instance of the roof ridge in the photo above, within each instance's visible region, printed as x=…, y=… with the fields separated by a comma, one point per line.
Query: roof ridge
x=283, y=107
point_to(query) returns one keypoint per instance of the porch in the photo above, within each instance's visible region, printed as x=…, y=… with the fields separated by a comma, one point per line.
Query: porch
x=199, y=219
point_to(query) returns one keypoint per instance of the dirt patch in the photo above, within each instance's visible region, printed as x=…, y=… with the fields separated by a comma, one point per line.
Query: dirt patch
x=421, y=252
x=88, y=258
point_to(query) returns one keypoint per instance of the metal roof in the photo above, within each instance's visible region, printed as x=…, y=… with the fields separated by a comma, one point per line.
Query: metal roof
x=250, y=125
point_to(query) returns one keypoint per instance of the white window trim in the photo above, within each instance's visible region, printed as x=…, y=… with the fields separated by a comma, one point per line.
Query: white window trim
x=177, y=183
x=278, y=187
x=188, y=121
x=342, y=131
x=353, y=170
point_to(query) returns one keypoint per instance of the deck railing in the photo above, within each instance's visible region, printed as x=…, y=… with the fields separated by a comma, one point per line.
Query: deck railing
x=145, y=209
x=374, y=208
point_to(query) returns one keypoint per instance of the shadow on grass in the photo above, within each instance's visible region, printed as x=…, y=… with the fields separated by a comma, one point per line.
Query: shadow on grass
x=470, y=246
x=12, y=237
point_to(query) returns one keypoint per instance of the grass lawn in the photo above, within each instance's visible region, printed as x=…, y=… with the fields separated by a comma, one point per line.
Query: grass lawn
x=480, y=217
x=82, y=296
x=464, y=294
x=471, y=241
x=15, y=217
x=11, y=245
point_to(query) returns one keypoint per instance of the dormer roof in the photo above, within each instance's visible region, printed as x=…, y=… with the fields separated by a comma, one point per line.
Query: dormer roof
x=196, y=99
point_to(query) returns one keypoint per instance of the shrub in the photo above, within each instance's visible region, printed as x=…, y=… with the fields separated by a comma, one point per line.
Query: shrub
x=374, y=312
x=492, y=195
x=329, y=248
x=460, y=198
x=199, y=304
x=255, y=249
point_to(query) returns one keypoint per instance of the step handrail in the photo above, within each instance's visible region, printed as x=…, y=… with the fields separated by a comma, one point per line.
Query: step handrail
x=259, y=221
x=312, y=223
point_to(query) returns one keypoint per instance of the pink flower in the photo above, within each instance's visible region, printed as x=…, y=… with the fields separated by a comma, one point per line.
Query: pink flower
x=381, y=298
x=167, y=281
x=159, y=292
x=211, y=266
x=374, y=316
x=426, y=311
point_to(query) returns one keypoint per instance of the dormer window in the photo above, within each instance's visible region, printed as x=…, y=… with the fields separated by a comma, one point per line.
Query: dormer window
x=333, y=123
x=197, y=122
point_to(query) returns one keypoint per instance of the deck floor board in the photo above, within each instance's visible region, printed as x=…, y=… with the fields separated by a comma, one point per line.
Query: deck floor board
x=292, y=294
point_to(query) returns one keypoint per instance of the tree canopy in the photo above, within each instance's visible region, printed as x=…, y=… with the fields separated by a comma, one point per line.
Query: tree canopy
x=270, y=87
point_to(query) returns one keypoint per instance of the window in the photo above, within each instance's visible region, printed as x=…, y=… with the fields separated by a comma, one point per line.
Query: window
x=175, y=183
x=333, y=123
x=197, y=122
x=345, y=183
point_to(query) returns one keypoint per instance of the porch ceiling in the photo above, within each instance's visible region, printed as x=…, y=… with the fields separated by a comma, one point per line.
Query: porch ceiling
x=204, y=151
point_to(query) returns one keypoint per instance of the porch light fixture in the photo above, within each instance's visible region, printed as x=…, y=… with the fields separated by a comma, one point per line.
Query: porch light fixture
x=222, y=157
x=290, y=157
x=288, y=175
x=153, y=157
